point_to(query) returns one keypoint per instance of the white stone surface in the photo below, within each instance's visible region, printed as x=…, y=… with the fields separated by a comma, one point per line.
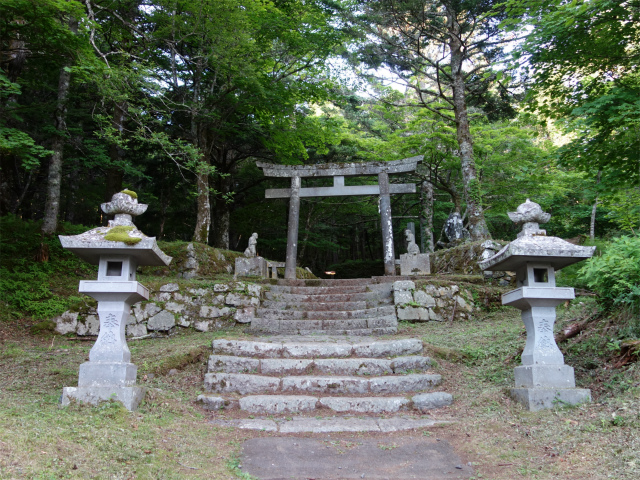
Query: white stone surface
x=66, y=323
x=162, y=321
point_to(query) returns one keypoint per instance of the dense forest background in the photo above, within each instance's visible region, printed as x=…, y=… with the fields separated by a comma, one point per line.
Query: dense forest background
x=177, y=99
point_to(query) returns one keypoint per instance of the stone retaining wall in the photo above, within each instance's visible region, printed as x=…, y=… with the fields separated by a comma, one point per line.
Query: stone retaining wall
x=173, y=306
x=431, y=302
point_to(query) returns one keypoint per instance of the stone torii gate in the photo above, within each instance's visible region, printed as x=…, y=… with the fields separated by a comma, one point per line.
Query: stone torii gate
x=338, y=172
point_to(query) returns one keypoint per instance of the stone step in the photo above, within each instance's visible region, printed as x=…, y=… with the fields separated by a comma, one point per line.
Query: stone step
x=335, y=326
x=319, y=290
x=327, y=366
x=284, y=348
x=295, y=330
x=340, y=282
x=244, y=384
x=272, y=313
x=334, y=297
x=311, y=306
x=300, y=424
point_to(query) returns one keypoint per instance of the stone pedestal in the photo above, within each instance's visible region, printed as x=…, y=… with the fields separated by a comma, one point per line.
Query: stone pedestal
x=543, y=380
x=109, y=374
x=415, y=264
x=251, y=267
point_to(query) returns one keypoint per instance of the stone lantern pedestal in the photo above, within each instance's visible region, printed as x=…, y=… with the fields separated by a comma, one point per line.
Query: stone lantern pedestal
x=109, y=373
x=543, y=380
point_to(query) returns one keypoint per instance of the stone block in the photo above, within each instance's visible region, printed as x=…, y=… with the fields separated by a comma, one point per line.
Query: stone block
x=427, y=401
x=402, y=297
x=408, y=364
x=136, y=330
x=337, y=385
x=170, y=287
x=316, y=350
x=244, y=315
x=285, y=366
x=240, y=383
x=544, y=376
x=388, y=348
x=278, y=404
x=254, y=289
x=247, y=348
x=415, y=264
x=130, y=397
x=413, y=313
x=210, y=402
x=162, y=321
x=90, y=326
x=239, y=300
x=163, y=297
x=365, y=404
x=403, y=285
x=407, y=383
x=66, y=323
x=220, y=287
x=435, y=316
x=462, y=304
x=213, y=312
x=107, y=374
x=535, y=399
x=174, y=307
x=203, y=325
x=353, y=366
x=251, y=267
x=423, y=298
x=232, y=364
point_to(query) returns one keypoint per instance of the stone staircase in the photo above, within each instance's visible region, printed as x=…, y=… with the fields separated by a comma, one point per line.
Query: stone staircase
x=291, y=375
x=339, y=307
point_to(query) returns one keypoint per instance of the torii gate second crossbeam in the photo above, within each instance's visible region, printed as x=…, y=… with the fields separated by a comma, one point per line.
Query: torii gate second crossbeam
x=338, y=172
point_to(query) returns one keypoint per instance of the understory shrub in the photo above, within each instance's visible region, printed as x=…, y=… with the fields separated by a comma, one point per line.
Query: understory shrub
x=615, y=275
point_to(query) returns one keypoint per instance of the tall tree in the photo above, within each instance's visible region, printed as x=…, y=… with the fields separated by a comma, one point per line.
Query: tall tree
x=443, y=51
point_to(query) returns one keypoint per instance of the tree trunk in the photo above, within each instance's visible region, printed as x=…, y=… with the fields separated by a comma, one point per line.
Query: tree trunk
x=52, y=205
x=203, y=216
x=222, y=213
x=592, y=225
x=477, y=224
x=426, y=217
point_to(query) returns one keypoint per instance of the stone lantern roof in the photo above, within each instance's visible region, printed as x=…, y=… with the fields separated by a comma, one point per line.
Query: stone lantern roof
x=532, y=244
x=121, y=237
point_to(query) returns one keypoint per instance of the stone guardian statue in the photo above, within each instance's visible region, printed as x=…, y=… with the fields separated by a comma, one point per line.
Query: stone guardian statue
x=250, y=251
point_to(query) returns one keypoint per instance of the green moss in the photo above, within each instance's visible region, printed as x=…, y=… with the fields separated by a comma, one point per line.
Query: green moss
x=45, y=326
x=121, y=234
x=131, y=193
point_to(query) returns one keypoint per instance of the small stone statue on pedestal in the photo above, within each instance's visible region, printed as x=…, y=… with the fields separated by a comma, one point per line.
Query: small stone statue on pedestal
x=412, y=248
x=413, y=262
x=251, y=264
x=250, y=251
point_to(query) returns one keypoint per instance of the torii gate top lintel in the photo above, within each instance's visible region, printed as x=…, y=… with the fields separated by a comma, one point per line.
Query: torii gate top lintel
x=338, y=171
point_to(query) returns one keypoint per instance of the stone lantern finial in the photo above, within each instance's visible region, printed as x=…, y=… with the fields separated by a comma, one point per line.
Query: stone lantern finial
x=529, y=214
x=125, y=206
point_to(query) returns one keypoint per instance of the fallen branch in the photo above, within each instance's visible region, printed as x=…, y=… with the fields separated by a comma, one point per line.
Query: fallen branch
x=574, y=329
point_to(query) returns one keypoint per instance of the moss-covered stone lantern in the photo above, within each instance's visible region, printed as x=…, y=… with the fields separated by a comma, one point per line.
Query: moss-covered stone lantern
x=117, y=250
x=543, y=379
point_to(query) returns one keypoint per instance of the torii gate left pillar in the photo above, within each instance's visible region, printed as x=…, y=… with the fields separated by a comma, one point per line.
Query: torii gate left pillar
x=338, y=171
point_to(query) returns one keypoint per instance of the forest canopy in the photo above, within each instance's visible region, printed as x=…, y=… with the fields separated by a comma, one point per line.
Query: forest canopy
x=178, y=99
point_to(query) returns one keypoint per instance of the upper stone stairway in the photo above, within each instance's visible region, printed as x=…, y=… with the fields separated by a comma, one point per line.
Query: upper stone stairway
x=340, y=307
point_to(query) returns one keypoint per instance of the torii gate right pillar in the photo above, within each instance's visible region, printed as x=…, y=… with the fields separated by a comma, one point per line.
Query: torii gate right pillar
x=387, y=225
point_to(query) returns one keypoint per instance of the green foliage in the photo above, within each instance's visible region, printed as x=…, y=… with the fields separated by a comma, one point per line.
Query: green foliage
x=615, y=275
x=41, y=290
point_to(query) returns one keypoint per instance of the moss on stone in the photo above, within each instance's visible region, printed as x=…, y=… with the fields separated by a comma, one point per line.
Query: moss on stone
x=131, y=193
x=121, y=234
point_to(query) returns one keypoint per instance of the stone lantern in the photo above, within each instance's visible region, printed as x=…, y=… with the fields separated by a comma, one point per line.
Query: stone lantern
x=117, y=250
x=543, y=379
